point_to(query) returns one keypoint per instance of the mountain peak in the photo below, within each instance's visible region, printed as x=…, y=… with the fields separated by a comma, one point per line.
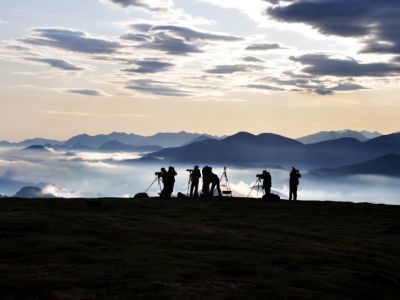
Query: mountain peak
x=36, y=148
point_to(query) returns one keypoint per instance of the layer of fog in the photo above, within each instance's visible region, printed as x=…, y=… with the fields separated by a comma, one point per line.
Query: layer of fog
x=90, y=174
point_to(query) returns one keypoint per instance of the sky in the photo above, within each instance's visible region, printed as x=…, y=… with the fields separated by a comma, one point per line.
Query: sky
x=290, y=67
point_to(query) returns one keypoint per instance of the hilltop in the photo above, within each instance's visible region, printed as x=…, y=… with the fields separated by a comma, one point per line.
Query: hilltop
x=181, y=249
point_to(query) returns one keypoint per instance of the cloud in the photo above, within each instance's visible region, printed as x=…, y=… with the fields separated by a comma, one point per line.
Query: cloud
x=152, y=5
x=265, y=46
x=230, y=69
x=377, y=22
x=173, y=39
x=141, y=27
x=86, y=92
x=343, y=87
x=156, y=88
x=252, y=59
x=171, y=45
x=325, y=65
x=265, y=87
x=58, y=63
x=149, y=66
x=306, y=83
x=323, y=91
x=60, y=192
x=191, y=34
x=136, y=37
x=71, y=40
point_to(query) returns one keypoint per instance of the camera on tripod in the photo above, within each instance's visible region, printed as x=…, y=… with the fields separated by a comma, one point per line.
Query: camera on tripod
x=189, y=170
x=260, y=176
x=158, y=174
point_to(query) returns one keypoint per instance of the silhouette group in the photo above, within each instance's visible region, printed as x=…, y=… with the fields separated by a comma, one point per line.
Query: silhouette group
x=212, y=185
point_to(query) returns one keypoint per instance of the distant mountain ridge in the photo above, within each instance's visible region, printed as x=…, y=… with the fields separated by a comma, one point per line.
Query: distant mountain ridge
x=388, y=165
x=116, y=146
x=162, y=139
x=166, y=139
x=321, y=136
x=30, y=142
x=246, y=148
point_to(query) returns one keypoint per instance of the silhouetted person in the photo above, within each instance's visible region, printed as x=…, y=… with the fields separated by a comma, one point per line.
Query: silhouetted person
x=170, y=182
x=215, y=183
x=293, y=183
x=267, y=181
x=195, y=176
x=162, y=175
x=206, y=171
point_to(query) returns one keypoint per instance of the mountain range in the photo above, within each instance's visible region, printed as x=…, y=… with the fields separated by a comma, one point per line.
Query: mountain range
x=246, y=148
x=322, y=136
x=165, y=140
x=89, y=142
x=388, y=165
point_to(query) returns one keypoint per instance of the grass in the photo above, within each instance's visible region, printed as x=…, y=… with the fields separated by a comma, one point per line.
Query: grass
x=198, y=249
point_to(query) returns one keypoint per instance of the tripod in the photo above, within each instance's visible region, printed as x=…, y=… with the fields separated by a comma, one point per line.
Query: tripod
x=154, y=181
x=228, y=190
x=257, y=183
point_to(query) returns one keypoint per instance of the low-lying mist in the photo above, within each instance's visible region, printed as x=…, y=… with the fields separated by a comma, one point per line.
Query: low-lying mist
x=92, y=174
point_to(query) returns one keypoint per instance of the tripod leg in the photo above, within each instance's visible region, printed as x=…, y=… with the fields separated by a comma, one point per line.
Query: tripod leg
x=252, y=188
x=151, y=185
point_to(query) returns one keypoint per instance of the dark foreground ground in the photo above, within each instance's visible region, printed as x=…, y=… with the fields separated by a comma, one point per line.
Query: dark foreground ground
x=187, y=249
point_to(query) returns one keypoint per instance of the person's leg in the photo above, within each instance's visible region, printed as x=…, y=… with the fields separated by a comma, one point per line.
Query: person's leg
x=219, y=190
x=192, y=187
x=212, y=189
x=162, y=193
x=171, y=189
x=295, y=194
x=165, y=191
x=196, y=190
x=206, y=189
x=168, y=191
x=290, y=193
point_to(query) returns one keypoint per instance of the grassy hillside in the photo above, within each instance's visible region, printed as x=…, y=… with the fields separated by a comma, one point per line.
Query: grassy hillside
x=181, y=249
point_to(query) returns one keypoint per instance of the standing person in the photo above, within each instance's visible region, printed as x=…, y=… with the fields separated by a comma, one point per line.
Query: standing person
x=215, y=183
x=170, y=182
x=293, y=183
x=267, y=182
x=206, y=181
x=195, y=178
x=163, y=176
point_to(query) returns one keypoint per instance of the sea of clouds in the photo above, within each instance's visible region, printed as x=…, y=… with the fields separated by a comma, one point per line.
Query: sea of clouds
x=93, y=174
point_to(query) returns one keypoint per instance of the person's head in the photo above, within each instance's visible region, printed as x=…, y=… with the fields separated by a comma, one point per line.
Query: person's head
x=163, y=170
x=171, y=168
x=196, y=167
x=265, y=172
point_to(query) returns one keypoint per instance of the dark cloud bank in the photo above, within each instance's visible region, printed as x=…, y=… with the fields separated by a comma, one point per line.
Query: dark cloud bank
x=377, y=21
